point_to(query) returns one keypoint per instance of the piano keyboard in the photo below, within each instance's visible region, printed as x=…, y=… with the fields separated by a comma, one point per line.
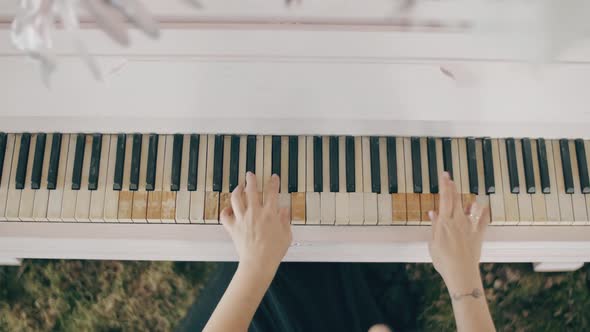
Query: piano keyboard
x=336, y=180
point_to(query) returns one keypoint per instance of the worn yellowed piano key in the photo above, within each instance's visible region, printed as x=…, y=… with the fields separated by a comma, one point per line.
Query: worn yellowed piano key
x=327, y=198
x=298, y=207
x=140, y=196
x=312, y=198
x=384, y=213
x=183, y=196
x=426, y=199
x=413, y=211
x=211, y=207
x=456, y=174
x=154, y=198
x=125, y=195
x=197, y=212
x=168, y=212
x=525, y=205
x=342, y=202
x=356, y=199
x=482, y=198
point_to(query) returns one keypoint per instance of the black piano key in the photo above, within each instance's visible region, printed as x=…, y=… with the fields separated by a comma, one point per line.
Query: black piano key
x=334, y=165
x=152, y=162
x=78, y=161
x=448, y=155
x=38, y=161
x=543, y=166
x=54, y=161
x=234, y=162
x=218, y=162
x=432, y=165
x=527, y=160
x=293, y=163
x=251, y=154
x=416, y=164
x=350, y=166
x=193, y=162
x=95, y=162
x=318, y=169
x=566, y=165
x=512, y=167
x=488, y=166
x=375, y=165
x=177, y=162
x=23, y=159
x=582, y=166
x=392, y=164
x=135, y=162
x=472, y=165
x=119, y=162
x=276, y=155
x=2, y=152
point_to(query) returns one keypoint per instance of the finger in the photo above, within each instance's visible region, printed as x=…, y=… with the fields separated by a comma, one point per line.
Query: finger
x=109, y=20
x=285, y=216
x=271, y=194
x=434, y=219
x=446, y=196
x=251, y=189
x=139, y=16
x=227, y=219
x=237, y=200
x=484, y=220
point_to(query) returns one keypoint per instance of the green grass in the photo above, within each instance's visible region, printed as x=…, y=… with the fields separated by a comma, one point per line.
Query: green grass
x=139, y=296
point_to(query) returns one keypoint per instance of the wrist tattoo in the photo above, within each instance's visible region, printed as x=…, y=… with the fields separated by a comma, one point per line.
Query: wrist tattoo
x=475, y=293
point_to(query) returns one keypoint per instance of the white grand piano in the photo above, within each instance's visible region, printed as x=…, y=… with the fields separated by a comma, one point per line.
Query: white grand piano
x=358, y=104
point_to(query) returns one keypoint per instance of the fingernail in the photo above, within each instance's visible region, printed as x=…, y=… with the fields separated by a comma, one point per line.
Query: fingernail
x=431, y=215
x=275, y=179
x=446, y=176
x=249, y=173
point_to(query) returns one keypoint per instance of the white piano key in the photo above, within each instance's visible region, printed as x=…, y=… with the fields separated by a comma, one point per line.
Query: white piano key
x=510, y=199
x=426, y=198
x=384, y=213
x=284, y=195
x=482, y=197
x=578, y=199
x=369, y=197
x=54, y=205
x=140, y=197
x=27, y=198
x=552, y=199
x=565, y=200
x=439, y=167
x=6, y=174
x=198, y=196
x=154, y=202
x=260, y=163
x=183, y=197
x=83, y=196
x=242, y=159
x=327, y=198
x=97, y=197
x=538, y=198
x=341, y=199
x=68, y=206
x=399, y=208
x=466, y=197
x=267, y=169
x=42, y=194
x=525, y=205
x=356, y=199
x=497, y=198
x=111, y=196
x=225, y=195
x=13, y=195
x=457, y=167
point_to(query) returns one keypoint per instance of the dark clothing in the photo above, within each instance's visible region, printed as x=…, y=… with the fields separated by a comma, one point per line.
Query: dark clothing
x=313, y=297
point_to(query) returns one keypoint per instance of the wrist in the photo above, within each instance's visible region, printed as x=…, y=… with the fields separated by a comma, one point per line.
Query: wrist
x=464, y=282
x=258, y=268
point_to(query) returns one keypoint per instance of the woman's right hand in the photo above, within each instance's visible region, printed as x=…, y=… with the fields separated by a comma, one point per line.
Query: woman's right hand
x=457, y=237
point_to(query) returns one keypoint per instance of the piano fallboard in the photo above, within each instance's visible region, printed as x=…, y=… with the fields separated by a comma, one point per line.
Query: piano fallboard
x=310, y=243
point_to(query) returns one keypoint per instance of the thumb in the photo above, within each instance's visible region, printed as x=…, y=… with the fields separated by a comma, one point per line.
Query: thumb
x=484, y=220
x=227, y=219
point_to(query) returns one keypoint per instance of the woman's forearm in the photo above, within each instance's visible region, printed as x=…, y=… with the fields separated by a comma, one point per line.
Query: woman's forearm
x=241, y=299
x=469, y=304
